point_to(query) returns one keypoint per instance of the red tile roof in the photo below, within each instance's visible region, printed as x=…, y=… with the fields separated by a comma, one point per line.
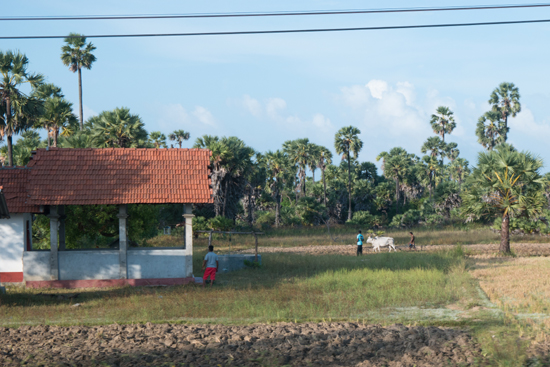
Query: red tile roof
x=14, y=181
x=119, y=176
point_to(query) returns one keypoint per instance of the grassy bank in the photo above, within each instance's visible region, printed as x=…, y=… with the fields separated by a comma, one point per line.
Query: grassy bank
x=286, y=287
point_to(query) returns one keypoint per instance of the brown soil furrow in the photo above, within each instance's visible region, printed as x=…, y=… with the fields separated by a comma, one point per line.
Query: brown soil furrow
x=328, y=344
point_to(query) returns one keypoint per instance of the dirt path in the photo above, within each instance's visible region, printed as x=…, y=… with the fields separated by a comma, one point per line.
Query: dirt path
x=520, y=249
x=327, y=344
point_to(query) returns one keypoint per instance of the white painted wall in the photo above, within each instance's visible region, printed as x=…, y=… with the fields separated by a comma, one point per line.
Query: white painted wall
x=12, y=242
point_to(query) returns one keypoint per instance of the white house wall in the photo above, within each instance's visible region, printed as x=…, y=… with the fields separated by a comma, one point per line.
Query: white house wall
x=12, y=246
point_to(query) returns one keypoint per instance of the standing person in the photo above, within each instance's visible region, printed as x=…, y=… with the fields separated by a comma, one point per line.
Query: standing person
x=360, y=240
x=210, y=265
x=412, y=245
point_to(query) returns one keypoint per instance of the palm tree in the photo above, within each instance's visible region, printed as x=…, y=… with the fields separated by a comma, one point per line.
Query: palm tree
x=396, y=165
x=77, y=54
x=118, y=128
x=158, y=139
x=451, y=151
x=314, y=153
x=17, y=110
x=431, y=166
x=299, y=153
x=491, y=130
x=435, y=146
x=459, y=170
x=505, y=101
x=443, y=121
x=275, y=164
x=179, y=136
x=346, y=142
x=58, y=115
x=506, y=183
x=219, y=158
x=45, y=92
x=324, y=159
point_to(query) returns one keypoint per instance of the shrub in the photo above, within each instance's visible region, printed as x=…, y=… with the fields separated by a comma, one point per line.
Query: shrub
x=364, y=218
x=408, y=219
x=220, y=223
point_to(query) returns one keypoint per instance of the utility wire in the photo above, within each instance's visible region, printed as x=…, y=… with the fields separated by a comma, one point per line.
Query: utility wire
x=274, y=14
x=312, y=30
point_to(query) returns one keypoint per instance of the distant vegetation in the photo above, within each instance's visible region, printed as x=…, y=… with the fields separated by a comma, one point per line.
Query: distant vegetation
x=504, y=189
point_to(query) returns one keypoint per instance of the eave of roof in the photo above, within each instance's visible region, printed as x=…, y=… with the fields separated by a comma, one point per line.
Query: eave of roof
x=4, y=212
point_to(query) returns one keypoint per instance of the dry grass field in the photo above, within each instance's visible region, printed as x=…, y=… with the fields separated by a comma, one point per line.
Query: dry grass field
x=310, y=281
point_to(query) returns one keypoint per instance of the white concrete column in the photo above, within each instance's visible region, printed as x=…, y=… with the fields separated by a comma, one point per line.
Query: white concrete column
x=62, y=217
x=188, y=215
x=54, y=227
x=123, y=240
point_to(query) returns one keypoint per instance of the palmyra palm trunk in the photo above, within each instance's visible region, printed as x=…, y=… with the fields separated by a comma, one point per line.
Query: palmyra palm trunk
x=349, y=187
x=10, y=141
x=324, y=187
x=277, y=209
x=80, y=99
x=250, y=216
x=505, y=234
x=10, y=151
x=225, y=198
x=397, y=196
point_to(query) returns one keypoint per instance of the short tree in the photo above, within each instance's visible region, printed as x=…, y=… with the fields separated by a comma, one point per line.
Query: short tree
x=506, y=183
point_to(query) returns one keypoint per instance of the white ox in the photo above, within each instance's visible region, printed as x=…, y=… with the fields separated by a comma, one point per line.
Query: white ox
x=378, y=242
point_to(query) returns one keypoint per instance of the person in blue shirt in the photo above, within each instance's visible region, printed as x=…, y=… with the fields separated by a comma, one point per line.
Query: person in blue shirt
x=360, y=240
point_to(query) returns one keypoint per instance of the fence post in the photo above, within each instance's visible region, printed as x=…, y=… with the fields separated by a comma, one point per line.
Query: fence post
x=256, y=242
x=210, y=238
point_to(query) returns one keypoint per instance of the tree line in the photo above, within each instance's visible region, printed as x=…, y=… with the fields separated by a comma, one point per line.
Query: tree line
x=279, y=188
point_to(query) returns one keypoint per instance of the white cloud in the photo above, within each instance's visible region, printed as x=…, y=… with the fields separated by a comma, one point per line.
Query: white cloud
x=87, y=112
x=273, y=106
x=525, y=123
x=322, y=122
x=204, y=116
x=386, y=109
x=172, y=117
x=252, y=105
x=377, y=88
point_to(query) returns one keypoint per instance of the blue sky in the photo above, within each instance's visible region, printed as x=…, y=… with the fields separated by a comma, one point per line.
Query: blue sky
x=267, y=89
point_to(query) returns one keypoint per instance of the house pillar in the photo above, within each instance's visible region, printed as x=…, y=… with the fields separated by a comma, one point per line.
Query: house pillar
x=123, y=240
x=54, y=227
x=188, y=215
x=62, y=217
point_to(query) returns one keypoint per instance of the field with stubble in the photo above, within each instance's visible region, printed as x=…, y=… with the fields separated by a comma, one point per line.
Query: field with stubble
x=308, y=304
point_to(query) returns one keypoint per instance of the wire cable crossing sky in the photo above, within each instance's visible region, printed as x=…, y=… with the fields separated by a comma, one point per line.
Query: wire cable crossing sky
x=311, y=30
x=274, y=14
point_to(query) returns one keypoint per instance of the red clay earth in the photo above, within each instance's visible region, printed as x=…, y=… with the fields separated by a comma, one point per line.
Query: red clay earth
x=322, y=344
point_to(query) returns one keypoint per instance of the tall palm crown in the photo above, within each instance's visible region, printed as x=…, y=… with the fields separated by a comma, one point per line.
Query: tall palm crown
x=158, y=139
x=505, y=100
x=276, y=164
x=118, y=128
x=346, y=142
x=443, y=121
x=491, y=130
x=179, y=136
x=58, y=116
x=77, y=54
x=506, y=183
x=299, y=153
x=396, y=165
x=17, y=110
x=435, y=146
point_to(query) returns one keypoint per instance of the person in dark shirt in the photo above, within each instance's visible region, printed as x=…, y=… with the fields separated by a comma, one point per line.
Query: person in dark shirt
x=412, y=245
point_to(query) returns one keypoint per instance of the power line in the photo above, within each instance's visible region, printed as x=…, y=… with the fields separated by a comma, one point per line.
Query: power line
x=274, y=14
x=312, y=30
